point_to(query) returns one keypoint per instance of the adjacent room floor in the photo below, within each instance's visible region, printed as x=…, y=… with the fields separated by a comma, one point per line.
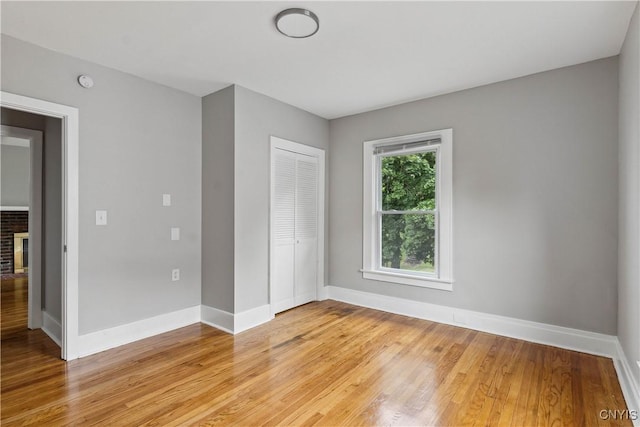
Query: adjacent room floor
x=325, y=363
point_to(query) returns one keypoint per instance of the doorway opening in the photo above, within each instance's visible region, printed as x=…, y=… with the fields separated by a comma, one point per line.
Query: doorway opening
x=52, y=244
x=21, y=215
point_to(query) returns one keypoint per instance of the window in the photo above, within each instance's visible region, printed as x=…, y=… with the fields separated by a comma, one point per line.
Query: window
x=407, y=210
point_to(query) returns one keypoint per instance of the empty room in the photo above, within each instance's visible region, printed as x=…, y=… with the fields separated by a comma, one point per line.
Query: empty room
x=320, y=213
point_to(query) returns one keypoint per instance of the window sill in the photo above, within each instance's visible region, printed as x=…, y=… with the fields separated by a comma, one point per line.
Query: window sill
x=406, y=279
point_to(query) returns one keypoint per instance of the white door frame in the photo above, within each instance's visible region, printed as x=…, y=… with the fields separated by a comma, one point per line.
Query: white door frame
x=295, y=147
x=34, y=318
x=70, y=139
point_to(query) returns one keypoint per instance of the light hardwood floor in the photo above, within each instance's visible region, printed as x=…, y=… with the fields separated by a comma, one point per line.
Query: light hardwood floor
x=325, y=363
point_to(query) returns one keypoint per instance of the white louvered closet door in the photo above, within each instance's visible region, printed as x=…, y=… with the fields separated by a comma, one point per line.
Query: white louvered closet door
x=306, y=229
x=295, y=233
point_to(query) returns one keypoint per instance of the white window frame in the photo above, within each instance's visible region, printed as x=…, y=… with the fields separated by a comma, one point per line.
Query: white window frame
x=443, y=276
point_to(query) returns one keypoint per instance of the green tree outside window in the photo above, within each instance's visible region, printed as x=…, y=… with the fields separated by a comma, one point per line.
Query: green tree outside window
x=409, y=184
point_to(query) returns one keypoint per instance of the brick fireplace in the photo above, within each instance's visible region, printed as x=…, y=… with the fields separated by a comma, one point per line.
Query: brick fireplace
x=11, y=222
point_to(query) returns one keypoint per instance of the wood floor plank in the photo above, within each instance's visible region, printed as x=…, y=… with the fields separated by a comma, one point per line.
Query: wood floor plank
x=322, y=364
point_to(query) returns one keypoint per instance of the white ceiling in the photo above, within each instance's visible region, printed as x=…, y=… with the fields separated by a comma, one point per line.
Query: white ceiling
x=366, y=55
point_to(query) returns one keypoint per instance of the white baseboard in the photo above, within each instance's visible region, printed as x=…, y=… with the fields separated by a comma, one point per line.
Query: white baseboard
x=557, y=336
x=219, y=319
x=235, y=323
x=323, y=293
x=52, y=327
x=251, y=318
x=628, y=383
x=96, y=342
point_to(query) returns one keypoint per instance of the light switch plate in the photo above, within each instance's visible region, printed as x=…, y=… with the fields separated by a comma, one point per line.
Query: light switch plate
x=175, y=233
x=101, y=217
x=166, y=200
x=175, y=274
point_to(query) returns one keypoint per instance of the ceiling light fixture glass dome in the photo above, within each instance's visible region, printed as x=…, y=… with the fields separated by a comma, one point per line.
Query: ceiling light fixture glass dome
x=297, y=23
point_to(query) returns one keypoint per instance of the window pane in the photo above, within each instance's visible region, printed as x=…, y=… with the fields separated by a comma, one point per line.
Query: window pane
x=408, y=242
x=409, y=182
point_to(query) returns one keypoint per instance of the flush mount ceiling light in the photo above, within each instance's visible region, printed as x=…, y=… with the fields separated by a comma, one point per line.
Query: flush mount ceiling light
x=297, y=23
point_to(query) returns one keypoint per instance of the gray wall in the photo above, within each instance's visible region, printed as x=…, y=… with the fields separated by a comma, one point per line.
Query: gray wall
x=629, y=199
x=535, y=195
x=14, y=172
x=257, y=118
x=138, y=140
x=217, y=199
x=535, y=190
x=52, y=215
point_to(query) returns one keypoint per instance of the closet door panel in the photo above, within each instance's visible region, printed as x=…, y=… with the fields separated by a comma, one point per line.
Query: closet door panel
x=283, y=194
x=306, y=229
x=305, y=272
x=283, y=289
